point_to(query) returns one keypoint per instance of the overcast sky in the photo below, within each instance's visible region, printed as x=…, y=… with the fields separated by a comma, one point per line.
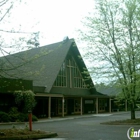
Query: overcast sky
x=55, y=19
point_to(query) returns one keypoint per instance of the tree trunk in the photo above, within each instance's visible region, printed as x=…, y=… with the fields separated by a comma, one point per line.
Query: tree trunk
x=132, y=110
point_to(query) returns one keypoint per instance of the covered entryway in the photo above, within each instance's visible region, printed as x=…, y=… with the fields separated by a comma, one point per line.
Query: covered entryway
x=70, y=106
x=89, y=106
x=51, y=105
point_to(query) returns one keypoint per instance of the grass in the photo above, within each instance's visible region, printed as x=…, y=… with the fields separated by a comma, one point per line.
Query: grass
x=16, y=134
x=124, y=122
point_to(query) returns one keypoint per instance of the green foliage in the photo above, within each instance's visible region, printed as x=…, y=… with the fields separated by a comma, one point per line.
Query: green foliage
x=4, y=117
x=13, y=110
x=14, y=114
x=112, y=34
x=34, y=118
x=18, y=97
x=24, y=118
x=27, y=98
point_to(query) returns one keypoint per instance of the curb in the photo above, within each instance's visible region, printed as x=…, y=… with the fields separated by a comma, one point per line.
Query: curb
x=108, y=123
x=65, y=118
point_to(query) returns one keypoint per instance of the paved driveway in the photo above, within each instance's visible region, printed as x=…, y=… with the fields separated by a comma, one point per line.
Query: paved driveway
x=86, y=128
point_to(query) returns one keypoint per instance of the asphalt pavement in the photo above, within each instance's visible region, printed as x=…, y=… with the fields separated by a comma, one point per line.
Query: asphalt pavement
x=86, y=127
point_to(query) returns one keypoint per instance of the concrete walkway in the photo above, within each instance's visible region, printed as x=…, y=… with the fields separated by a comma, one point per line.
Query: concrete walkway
x=68, y=118
x=78, y=116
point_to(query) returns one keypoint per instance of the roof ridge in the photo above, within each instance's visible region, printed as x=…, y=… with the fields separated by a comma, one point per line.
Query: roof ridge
x=71, y=39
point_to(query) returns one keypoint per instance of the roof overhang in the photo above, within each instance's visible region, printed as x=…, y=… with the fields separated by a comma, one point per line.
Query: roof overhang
x=69, y=96
x=47, y=95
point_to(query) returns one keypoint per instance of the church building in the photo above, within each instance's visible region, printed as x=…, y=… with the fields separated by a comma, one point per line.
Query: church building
x=59, y=78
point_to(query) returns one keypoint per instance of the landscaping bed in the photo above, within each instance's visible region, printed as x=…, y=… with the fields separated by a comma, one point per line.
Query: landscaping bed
x=24, y=134
x=123, y=122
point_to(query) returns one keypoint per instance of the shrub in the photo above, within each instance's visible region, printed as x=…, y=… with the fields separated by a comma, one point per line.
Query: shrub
x=13, y=110
x=34, y=118
x=14, y=114
x=25, y=117
x=20, y=117
x=27, y=98
x=4, y=117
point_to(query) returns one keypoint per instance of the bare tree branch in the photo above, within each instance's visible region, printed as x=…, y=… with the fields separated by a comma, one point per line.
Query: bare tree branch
x=6, y=13
x=16, y=32
x=3, y=2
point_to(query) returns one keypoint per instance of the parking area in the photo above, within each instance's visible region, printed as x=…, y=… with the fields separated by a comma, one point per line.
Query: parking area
x=86, y=128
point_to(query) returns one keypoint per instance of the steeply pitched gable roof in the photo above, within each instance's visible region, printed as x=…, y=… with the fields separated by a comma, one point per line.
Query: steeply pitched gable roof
x=110, y=91
x=40, y=64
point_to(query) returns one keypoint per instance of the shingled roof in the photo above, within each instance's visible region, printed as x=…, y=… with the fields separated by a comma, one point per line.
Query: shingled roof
x=41, y=64
x=110, y=91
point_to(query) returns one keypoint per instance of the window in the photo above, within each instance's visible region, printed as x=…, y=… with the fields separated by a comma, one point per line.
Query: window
x=77, y=77
x=59, y=105
x=61, y=80
x=77, y=106
x=102, y=104
x=69, y=68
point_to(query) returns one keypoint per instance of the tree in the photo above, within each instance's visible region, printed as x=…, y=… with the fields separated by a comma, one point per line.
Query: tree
x=14, y=33
x=13, y=37
x=113, y=35
x=11, y=34
x=27, y=98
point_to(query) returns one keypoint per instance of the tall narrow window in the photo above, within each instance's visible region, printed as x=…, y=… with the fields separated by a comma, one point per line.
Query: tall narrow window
x=77, y=77
x=61, y=78
x=69, y=68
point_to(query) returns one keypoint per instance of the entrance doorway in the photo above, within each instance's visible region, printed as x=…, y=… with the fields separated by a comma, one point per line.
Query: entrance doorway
x=70, y=106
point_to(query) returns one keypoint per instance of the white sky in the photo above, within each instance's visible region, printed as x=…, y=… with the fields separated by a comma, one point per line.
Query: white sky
x=55, y=19
x=61, y=18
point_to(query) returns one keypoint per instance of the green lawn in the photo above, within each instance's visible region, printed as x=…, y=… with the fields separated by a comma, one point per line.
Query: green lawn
x=124, y=122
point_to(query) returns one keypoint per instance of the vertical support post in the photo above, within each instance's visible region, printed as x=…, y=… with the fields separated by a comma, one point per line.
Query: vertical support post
x=49, y=107
x=109, y=105
x=30, y=120
x=125, y=105
x=63, y=102
x=81, y=106
x=97, y=105
x=70, y=79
